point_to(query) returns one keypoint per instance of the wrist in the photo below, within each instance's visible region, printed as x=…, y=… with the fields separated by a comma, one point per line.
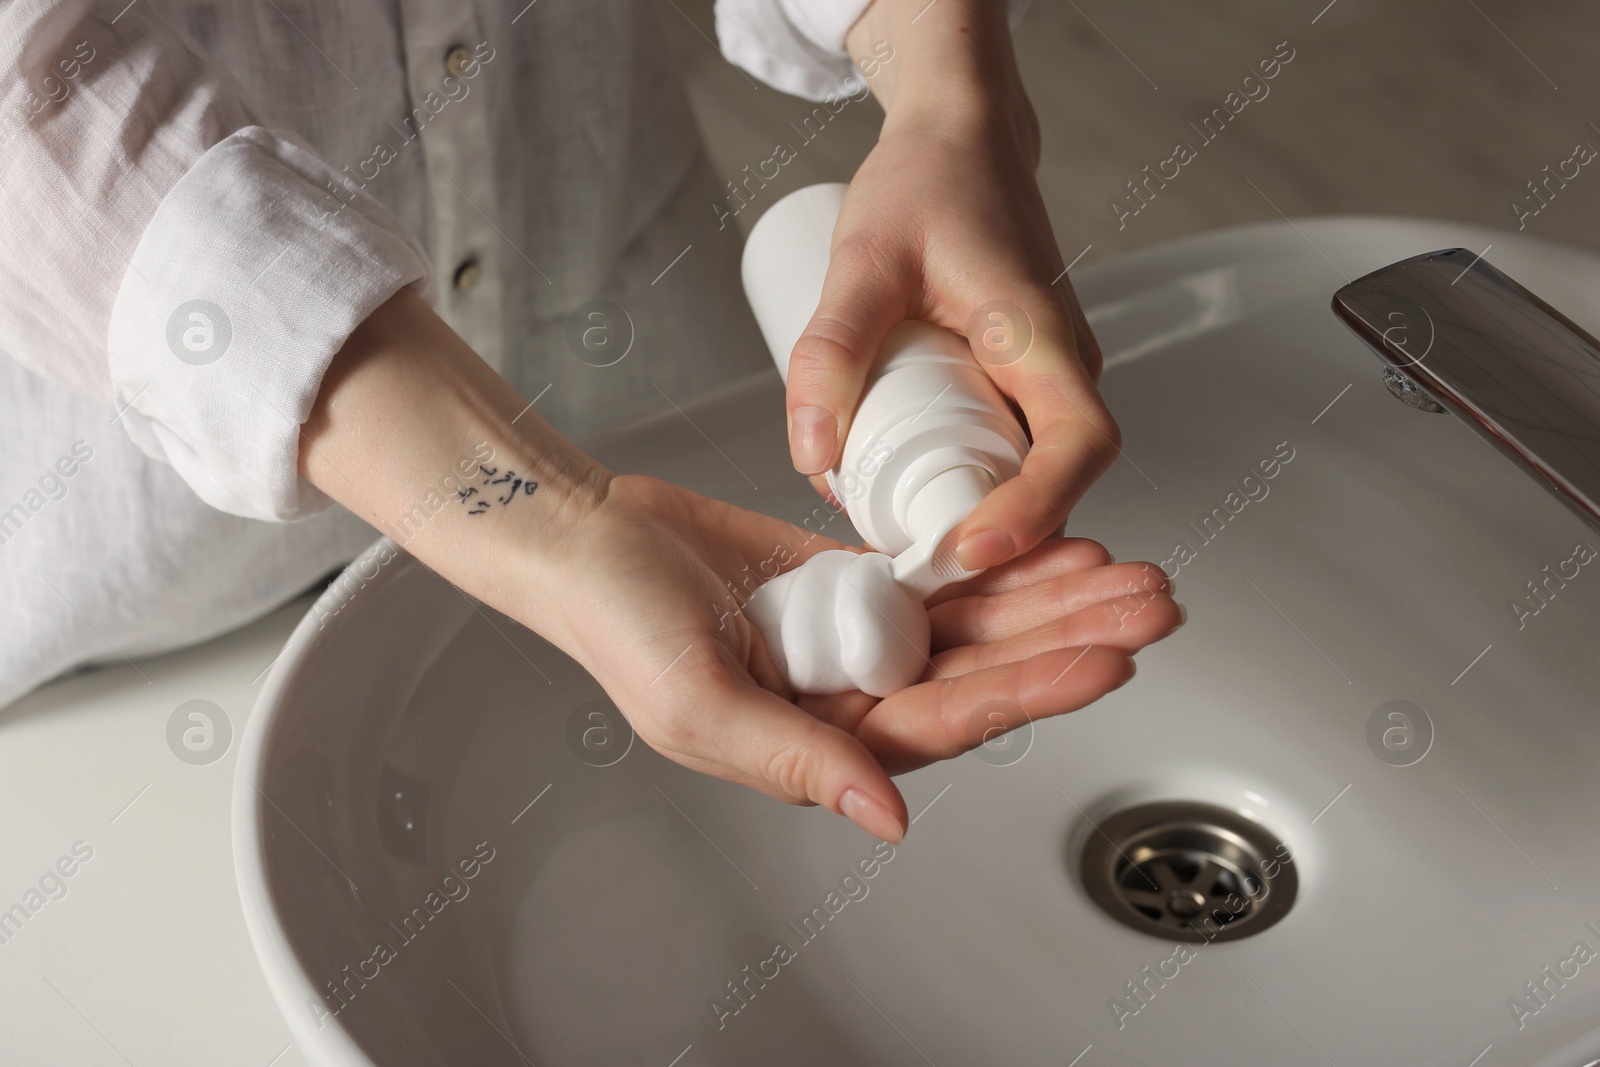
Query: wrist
x=414, y=433
x=543, y=543
x=946, y=70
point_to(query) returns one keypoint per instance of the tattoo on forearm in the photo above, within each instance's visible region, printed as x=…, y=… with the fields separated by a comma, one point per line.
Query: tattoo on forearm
x=499, y=485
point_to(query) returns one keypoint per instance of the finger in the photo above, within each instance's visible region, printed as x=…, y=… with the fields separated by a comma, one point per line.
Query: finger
x=935, y=720
x=736, y=730
x=977, y=620
x=844, y=710
x=1074, y=441
x=1085, y=344
x=864, y=296
x=1053, y=558
x=1125, y=623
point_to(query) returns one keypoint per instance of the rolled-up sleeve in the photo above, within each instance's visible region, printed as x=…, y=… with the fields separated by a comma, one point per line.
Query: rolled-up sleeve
x=797, y=45
x=247, y=281
x=161, y=250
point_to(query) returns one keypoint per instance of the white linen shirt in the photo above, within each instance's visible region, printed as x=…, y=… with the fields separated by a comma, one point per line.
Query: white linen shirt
x=202, y=199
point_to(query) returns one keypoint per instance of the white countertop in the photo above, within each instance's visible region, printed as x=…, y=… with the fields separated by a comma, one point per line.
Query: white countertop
x=145, y=960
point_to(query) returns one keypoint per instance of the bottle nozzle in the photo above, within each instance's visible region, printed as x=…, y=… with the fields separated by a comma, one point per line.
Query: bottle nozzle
x=938, y=508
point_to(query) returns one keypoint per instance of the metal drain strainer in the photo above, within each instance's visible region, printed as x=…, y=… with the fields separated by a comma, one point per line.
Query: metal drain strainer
x=1188, y=871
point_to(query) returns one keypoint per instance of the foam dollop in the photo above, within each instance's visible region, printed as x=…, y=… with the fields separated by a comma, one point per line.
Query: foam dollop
x=840, y=622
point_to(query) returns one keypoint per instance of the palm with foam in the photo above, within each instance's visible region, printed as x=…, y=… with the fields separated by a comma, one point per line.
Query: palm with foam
x=646, y=608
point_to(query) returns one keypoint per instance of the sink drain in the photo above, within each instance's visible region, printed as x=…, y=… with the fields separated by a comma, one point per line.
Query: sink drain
x=1188, y=871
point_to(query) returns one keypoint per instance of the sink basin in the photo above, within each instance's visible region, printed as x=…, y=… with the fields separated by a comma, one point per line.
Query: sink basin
x=451, y=850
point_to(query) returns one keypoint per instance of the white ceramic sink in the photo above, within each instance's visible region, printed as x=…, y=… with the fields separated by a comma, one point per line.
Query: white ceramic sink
x=411, y=735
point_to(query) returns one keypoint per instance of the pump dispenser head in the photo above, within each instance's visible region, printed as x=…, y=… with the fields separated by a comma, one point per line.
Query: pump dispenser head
x=930, y=439
x=929, y=563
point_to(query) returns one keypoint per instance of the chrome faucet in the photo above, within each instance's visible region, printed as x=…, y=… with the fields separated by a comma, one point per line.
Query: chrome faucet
x=1457, y=335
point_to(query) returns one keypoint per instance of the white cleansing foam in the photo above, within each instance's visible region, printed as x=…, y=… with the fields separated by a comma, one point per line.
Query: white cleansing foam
x=930, y=438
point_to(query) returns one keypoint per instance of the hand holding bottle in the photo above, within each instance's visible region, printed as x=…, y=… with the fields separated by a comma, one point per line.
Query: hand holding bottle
x=945, y=217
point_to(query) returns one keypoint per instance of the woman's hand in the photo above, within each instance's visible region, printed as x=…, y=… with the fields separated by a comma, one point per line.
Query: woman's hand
x=653, y=618
x=944, y=222
x=643, y=583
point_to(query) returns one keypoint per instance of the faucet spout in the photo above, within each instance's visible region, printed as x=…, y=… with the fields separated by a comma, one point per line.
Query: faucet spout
x=1518, y=372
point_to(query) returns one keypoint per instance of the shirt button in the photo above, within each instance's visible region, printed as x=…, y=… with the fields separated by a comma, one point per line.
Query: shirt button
x=457, y=59
x=467, y=275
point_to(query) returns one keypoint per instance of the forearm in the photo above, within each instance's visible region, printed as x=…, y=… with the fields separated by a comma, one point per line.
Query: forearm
x=414, y=433
x=952, y=64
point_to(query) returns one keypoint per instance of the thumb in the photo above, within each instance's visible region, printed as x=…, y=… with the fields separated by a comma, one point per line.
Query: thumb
x=757, y=738
x=863, y=298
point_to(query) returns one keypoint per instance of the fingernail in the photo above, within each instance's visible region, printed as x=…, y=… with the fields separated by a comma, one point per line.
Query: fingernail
x=987, y=548
x=871, y=816
x=1183, y=614
x=813, y=432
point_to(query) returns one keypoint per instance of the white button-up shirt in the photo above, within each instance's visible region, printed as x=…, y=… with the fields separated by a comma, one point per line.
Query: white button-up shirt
x=202, y=199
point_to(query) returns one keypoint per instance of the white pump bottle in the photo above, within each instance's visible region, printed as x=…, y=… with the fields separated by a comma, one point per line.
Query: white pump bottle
x=929, y=440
